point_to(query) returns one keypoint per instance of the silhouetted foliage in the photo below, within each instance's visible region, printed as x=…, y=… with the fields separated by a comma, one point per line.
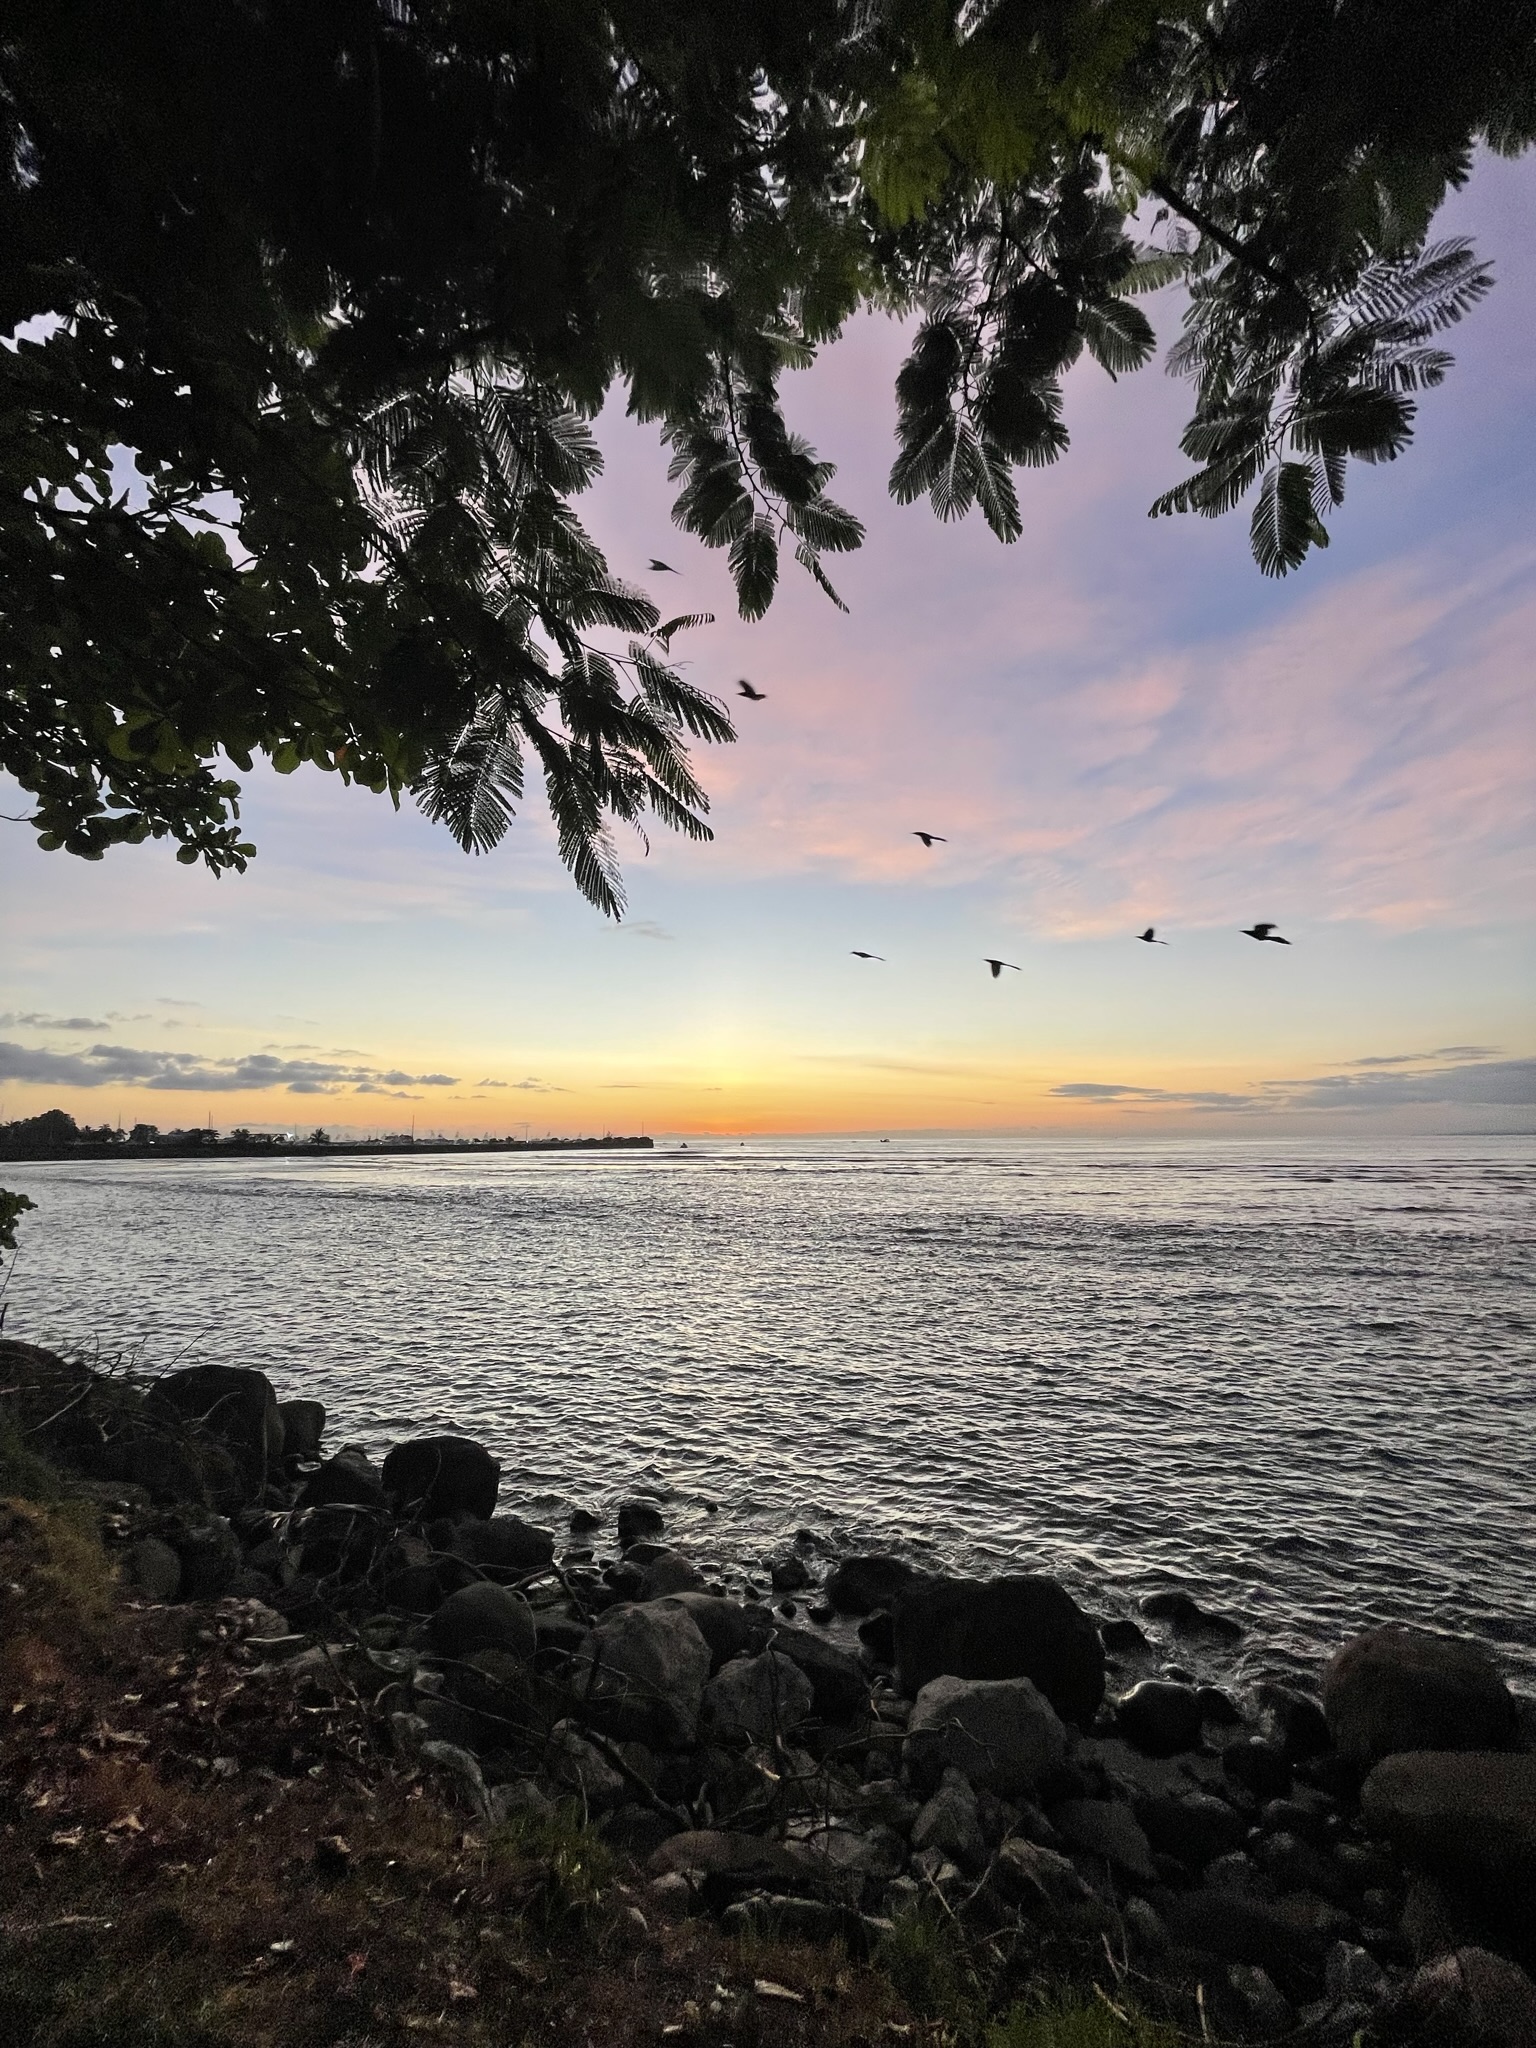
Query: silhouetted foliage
x=317, y=298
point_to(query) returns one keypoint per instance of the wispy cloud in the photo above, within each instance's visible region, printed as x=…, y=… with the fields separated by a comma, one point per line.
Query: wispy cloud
x=103, y=1066
x=1504, y=1084
x=1419, y=1059
x=644, y=928
x=36, y=1020
x=1127, y=1096
x=534, y=1086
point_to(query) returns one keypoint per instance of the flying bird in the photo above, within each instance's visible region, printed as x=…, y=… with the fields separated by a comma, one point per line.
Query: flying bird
x=997, y=967
x=661, y=568
x=745, y=689
x=867, y=956
x=1149, y=937
x=931, y=838
x=1264, y=931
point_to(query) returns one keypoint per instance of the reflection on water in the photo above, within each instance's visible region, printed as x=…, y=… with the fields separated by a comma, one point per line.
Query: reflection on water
x=1297, y=1378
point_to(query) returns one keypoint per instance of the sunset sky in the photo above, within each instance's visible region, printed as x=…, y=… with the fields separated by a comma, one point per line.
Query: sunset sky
x=1114, y=723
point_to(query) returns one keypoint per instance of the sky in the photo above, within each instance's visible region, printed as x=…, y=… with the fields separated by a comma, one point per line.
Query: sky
x=1114, y=723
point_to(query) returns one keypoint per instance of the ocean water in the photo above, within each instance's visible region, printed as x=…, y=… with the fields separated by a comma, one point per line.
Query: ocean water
x=1297, y=1379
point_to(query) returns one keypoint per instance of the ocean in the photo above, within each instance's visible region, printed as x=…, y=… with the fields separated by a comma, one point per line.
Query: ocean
x=1297, y=1379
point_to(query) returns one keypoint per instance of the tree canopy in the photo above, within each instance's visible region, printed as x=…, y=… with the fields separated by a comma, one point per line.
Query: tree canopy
x=314, y=302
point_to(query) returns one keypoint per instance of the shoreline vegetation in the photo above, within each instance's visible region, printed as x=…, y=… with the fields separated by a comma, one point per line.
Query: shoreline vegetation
x=303, y=1749
x=55, y=1136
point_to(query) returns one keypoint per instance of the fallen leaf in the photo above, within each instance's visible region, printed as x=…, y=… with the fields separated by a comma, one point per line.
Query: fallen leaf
x=67, y=1838
x=126, y=1824
x=122, y=1736
x=357, y=1964
x=766, y=1988
x=282, y=1948
x=457, y=1989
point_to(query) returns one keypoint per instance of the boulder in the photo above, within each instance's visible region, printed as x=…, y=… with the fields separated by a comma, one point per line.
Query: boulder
x=349, y=1479
x=664, y=1571
x=1398, y=1689
x=303, y=1427
x=577, y=1764
x=1104, y=1829
x=482, y=1617
x=717, y=1852
x=1000, y=1733
x=1123, y=1637
x=1472, y=1999
x=849, y=1860
x=641, y=1672
x=1297, y=1723
x=1045, y=1885
x=877, y=1632
x=231, y=1407
x=153, y=1569
x=1187, y=1617
x=640, y=1521
x=755, y=1699
x=949, y=1822
x=1195, y=1828
x=1159, y=1717
x=861, y=1584
x=1015, y=1627
x=1245, y=1930
x=837, y=1680
x=1466, y=1818
x=727, y=1626
x=503, y=1548
x=209, y=1553
x=442, y=1475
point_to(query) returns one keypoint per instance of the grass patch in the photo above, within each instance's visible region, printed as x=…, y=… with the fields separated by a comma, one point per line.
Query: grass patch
x=926, y=1962
x=1075, y=2021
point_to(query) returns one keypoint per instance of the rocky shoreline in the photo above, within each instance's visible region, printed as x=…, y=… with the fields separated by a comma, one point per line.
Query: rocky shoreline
x=834, y=1741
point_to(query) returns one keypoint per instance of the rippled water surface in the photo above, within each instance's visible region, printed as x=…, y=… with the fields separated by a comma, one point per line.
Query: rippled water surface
x=1298, y=1379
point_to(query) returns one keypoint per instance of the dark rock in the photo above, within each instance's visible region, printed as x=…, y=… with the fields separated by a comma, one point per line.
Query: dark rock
x=641, y=1673
x=1297, y=1723
x=558, y=1638
x=409, y=1576
x=1187, y=1617
x=1304, y=1816
x=821, y=1612
x=665, y=1571
x=639, y=1521
x=1258, y=1766
x=1044, y=1885
x=840, y=1686
x=231, y=1408
x=1298, y=1866
x=1466, y=1818
x=861, y=1584
x=950, y=1823
x=775, y=1916
x=790, y=1574
x=349, y=1479
x=583, y=1522
x=504, y=1548
x=1196, y=1827
x=1122, y=1638
x=878, y=1635
x=752, y=1859
x=303, y=1427
x=1244, y=1930
x=1015, y=1627
x=727, y=1626
x=636, y=1830
x=1471, y=1999
x=1216, y=1707
x=442, y=1475
x=153, y=1569
x=1159, y=1718
x=1108, y=1832
x=1003, y=1734
x=755, y=1699
x=483, y=1617
x=209, y=1553
x=1397, y=1689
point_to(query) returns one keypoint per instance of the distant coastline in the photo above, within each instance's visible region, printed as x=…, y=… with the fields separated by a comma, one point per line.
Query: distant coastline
x=301, y=1148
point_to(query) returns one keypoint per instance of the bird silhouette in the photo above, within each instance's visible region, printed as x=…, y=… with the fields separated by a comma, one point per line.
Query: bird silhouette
x=1149, y=937
x=1264, y=932
x=745, y=689
x=997, y=967
x=662, y=568
x=930, y=838
x=867, y=956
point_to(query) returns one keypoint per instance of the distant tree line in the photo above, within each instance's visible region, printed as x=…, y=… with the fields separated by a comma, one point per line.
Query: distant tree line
x=55, y=1135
